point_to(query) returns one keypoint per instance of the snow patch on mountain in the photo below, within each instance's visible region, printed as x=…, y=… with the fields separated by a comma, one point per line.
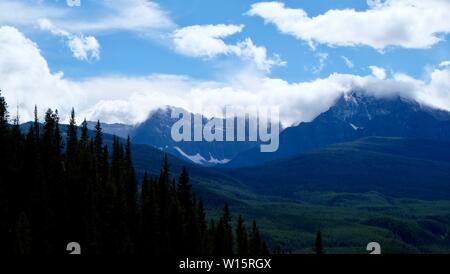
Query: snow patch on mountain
x=197, y=158
x=354, y=127
x=215, y=161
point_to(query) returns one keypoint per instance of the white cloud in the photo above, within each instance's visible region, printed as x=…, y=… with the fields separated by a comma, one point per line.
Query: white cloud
x=129, y=15
x=403, y=23
x=26, y=80
x=83, y=47
x=348, y=62
x=26, y=13
x=258, y=55
x=140, y=16
x=378, y=72
x=322, y=56
x=73, y=3
x=207, y=41
x=444, y=64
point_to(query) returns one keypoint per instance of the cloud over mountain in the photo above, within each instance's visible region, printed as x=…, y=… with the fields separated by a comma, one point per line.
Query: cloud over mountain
x=26, y=80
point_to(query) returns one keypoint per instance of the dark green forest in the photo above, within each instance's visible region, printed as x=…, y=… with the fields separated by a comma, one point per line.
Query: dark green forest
x=58, y=188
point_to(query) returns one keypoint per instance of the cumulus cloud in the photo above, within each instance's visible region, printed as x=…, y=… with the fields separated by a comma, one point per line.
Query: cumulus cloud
x=85, y=48
x=25, y=76
x=140, y=16
x=444, y=64
x=207, y=41
x=403, y=23
x=378, y=72
x=82, y=47
x=26, y=80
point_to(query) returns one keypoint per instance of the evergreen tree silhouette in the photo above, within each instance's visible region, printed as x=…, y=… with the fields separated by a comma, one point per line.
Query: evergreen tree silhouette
x=241, y=237
x=318, y=249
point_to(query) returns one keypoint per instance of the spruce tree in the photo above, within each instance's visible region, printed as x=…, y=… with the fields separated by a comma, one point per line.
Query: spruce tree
x=202, y=228
x=318, y=248
x=98, y=140
x=241, y=237
x=36, y=123
x=4, y=195
x=164, y=202
x=255, y=244
x=184, y=190
x=228, y=237
x=131, y=191
x=84, y=139
x=22, y=241
x=72, y=138
x=149, y=208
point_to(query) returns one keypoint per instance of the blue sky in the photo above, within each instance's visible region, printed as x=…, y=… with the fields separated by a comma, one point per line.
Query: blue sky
x=228, y=45
x=128, y=53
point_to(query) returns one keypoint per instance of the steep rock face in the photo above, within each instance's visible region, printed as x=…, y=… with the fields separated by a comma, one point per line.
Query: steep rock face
x=353, y=116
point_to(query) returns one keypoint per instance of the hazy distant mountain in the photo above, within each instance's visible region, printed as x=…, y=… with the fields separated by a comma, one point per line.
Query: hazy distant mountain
x=355, y=116
x=120, y=130
x=156, y=131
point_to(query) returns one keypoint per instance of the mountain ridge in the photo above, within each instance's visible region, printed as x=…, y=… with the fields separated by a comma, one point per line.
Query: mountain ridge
x=156, y=131
x=354, y=116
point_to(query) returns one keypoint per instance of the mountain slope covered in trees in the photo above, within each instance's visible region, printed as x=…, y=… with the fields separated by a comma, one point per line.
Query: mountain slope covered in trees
x=56, y=190
x=399, y=167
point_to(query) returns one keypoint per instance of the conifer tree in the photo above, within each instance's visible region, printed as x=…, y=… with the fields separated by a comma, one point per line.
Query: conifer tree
x=228, y=237
x=255, y=244
x=318, y=249
x=149, y=207
x=72, y=138
x=84, y=139
x=241, y=237
x=36, y=123
x=184, y=190
x=223, y=240
x=3, y=112
x=98, y=140
x=4, y=195
x=22, y=241
x=202, y=229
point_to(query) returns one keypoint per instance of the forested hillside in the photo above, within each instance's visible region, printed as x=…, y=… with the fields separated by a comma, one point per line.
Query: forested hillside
x=56, y=190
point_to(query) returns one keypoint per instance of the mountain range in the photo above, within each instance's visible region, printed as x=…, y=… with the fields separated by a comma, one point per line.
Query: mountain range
x=156, y=132
x=356, y=116
x=366, y=169
x=353, y=116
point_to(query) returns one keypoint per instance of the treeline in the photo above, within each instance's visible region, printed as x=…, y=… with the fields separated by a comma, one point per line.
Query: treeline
x=59, y=187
